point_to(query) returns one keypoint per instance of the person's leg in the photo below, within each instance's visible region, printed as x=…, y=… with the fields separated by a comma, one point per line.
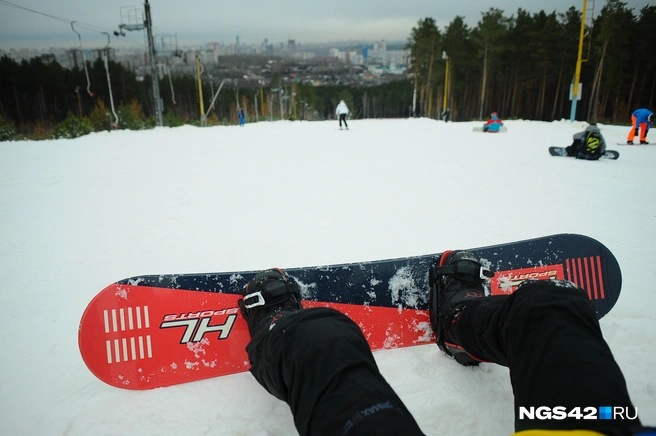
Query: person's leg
x=548, y=334
x=345, y=125
x=643, y=132
x=573, y=149
x=318, y=361
x=633, y=132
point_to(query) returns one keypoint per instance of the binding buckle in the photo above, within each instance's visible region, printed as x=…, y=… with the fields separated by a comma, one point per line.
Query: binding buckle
x=260, y=300
x=485, y=273
x=465, y=269
x=275, y=291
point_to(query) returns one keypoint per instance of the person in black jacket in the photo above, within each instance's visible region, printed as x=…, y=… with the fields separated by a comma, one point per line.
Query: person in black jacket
x=588, y=144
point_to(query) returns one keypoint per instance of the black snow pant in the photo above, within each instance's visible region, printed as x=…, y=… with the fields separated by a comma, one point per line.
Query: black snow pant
x=318, y=361
x=550, y=339
x=342, y=117
x=573, y=150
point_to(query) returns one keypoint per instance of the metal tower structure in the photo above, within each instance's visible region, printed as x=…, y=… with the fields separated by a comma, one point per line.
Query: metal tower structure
x=135, y=23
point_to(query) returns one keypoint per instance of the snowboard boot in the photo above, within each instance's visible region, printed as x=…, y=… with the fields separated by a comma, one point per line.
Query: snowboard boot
x=644, y=142
x=629, y=142
x=268, y=296
x=458, y=278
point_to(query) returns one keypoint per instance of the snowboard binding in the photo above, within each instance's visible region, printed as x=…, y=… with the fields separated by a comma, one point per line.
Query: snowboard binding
x=457, y=277
x=268, y=293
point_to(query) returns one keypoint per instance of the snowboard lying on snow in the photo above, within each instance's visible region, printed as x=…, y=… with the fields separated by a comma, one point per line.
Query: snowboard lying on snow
x=635, y=143
x=608, y=154
x=160, y=330
x=480, y=129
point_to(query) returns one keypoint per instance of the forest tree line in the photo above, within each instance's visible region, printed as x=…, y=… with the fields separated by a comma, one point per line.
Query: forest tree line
x=520, y=66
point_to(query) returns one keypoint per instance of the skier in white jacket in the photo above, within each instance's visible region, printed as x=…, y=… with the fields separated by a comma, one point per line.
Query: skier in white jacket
x=342, y=111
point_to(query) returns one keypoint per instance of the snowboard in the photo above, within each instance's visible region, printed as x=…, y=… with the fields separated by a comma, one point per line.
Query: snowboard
x=152, y=331
x=608, y=154
x=480, y=129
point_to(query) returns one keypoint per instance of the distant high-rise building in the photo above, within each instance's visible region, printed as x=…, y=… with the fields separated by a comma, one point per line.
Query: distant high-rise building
x=380, y=45
x=291, y=45
x=237, y=45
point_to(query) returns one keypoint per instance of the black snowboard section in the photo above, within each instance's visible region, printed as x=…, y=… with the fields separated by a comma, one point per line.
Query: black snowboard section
x=608, y=154
x=403, y=282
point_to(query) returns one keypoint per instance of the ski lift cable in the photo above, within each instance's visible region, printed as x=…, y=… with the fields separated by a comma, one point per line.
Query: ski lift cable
x=236, y=90
x=86, y=26
x=214, y=98
x=83, y=61
x=168, y=72
x=6, y=3
x=109, y=82
x=64, y=20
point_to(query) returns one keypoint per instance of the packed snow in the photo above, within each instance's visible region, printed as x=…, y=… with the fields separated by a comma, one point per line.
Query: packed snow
x=77, y=215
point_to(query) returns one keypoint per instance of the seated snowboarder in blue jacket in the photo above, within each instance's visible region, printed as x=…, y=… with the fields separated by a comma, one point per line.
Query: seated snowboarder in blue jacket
x=493, y=124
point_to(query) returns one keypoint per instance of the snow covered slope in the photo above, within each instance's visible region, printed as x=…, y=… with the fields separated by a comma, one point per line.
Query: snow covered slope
x=76, y=215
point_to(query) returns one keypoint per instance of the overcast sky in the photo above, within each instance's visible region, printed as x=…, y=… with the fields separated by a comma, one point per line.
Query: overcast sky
x=201, y=21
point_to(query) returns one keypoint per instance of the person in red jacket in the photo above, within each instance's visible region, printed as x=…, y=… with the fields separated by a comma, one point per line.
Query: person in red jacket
x=493, y=124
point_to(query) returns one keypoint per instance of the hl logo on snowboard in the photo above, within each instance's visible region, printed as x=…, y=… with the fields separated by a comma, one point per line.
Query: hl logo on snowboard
x=197, y=324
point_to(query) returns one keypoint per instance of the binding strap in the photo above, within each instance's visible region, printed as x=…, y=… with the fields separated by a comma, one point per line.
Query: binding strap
x=465, y=270
x=272, y=289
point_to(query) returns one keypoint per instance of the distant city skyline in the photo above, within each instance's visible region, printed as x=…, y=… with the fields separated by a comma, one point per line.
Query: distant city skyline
x=48, y=24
